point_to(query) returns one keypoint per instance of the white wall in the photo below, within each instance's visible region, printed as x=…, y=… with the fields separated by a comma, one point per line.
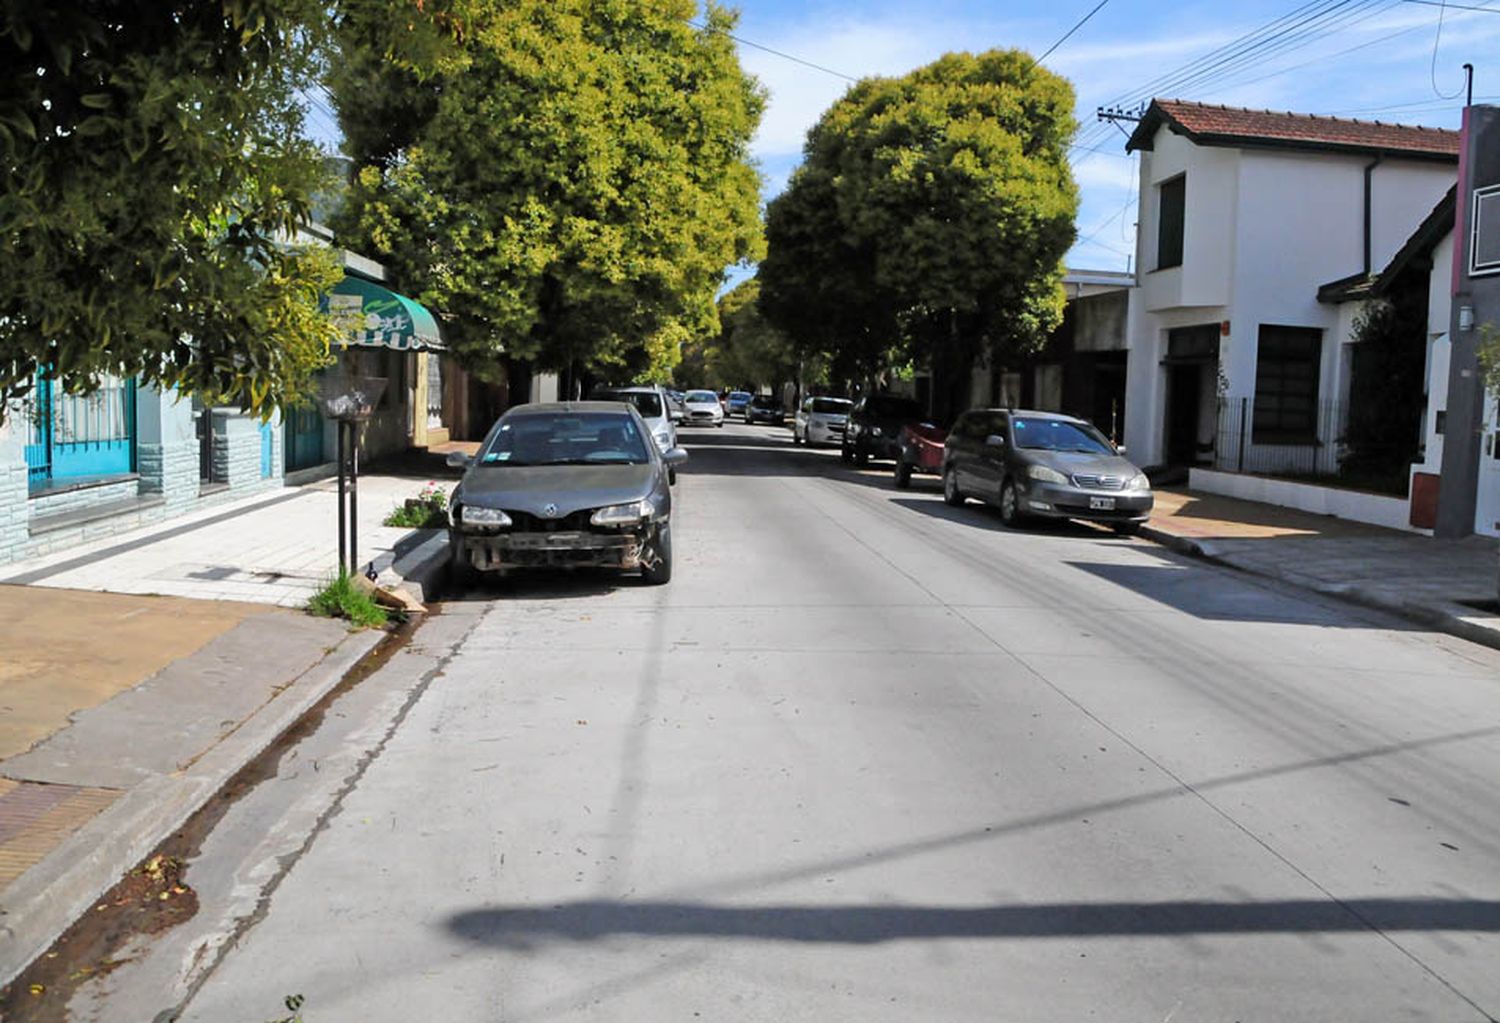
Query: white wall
x=1439, y=349
x=1376, y=509
x=1204, y=277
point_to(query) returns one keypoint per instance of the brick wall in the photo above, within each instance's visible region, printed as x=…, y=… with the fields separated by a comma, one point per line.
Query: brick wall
x=87, y=497
x=12, y=488
x=170, y=470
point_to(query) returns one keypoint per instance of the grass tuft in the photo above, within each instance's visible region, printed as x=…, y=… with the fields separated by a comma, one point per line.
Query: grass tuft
x=341, y=598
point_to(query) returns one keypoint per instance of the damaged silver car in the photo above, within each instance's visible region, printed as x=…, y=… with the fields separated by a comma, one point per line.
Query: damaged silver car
x=565, y=485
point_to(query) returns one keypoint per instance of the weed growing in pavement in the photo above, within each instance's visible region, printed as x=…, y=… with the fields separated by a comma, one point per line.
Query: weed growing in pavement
x=342, y=598
x=428, y=510
x=293, y=1005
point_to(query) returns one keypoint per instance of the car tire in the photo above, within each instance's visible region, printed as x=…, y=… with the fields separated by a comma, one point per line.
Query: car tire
x=952, y=496
x=1010, y=506
x=720, y=424
x=661, y=572
x=1127, y=528
x=861, y=457
x=846, y=454
x=903, y=474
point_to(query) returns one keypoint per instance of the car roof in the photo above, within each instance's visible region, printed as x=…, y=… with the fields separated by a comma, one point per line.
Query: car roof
x=632, y=389
x=1061, y=417
x=555, y=407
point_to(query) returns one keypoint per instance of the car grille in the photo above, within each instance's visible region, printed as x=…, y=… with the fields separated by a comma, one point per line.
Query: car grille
x=525, y=522
x=1089, y=482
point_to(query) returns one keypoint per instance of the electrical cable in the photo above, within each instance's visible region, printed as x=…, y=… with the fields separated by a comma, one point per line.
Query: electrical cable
x=785, y=56
x=1432, y=70
x=1080, y=23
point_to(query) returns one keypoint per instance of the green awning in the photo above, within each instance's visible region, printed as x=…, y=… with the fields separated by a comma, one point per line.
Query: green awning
x=380, y=318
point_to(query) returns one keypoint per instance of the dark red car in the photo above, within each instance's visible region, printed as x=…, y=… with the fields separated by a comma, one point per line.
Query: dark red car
x=919, y=449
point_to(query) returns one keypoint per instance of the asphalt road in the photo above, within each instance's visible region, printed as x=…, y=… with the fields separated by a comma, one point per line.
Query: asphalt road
x=871, y=758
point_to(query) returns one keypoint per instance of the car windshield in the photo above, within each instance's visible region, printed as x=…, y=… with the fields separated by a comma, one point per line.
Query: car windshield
x=566, y=438
x=647, y=403
x=765, y=401
x=831, y=406
x=1060, y=435
x=894, y=408
x=739, y=395
x=702, y=397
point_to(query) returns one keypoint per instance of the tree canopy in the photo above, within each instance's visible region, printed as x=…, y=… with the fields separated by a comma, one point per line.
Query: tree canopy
x=747, y=351
x=152, y=171
x=565, y=180
x=929, y=220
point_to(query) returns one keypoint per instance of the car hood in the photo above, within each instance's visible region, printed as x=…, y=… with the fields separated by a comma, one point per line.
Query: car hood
x=1072, y=462
x=570, y=487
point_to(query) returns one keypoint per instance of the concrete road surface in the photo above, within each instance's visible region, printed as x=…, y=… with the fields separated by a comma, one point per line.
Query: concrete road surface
x=869, y=758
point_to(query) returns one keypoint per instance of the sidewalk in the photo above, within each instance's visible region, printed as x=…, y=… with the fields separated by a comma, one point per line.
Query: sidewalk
x=124, y=706
x=277, y=548
x=1434, y=582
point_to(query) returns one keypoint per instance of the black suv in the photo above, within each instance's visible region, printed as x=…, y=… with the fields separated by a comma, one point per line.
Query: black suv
x=875, y=427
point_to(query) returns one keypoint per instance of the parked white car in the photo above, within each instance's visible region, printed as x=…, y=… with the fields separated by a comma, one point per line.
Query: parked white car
x=702, y=408
x=650, y=400
x=821, y=421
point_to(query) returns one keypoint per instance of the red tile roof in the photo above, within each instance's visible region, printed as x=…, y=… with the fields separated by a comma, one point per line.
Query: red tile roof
x=1219, y=125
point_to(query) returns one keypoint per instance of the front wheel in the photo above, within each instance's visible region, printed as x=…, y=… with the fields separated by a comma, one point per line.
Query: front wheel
x=1127, y=528
x=861, y=456
x=661, y=571
x=951, y=494
x=903, y=474
x=1010, y=506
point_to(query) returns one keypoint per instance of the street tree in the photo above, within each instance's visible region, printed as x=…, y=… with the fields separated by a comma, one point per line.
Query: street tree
x=749, y=350
x=566, y=180
x=929, y=220
x=152, y=173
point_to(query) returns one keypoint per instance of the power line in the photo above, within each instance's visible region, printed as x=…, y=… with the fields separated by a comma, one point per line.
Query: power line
x=779, y=53
x=1454, y=7
x=1080, y=23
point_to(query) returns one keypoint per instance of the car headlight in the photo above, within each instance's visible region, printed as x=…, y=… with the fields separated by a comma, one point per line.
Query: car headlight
x=875, y=431
x=478, y=515
x=622, y=514
x=664, y=439
x=1045, y=475
x=1138, y=482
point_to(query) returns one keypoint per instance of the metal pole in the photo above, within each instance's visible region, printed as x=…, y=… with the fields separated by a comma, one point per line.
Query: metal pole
x=354, y=498
x=343, y=566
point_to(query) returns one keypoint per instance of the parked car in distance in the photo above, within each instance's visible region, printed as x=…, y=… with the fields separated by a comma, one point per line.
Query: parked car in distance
x=919, y=449
x=1043, y=465
x=702, y=408
x=875, y=427
x=735, y=402
x=650, y=400
x=765, y=408
x=821, y=421
x=565, y=485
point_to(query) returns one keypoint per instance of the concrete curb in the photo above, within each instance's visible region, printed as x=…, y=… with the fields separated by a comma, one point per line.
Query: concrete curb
x=422, y=568
x=41, y=904
x=1454, y=619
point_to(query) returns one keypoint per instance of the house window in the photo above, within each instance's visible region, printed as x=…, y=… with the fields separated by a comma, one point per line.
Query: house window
x=1286, y=385
x=1171, y=199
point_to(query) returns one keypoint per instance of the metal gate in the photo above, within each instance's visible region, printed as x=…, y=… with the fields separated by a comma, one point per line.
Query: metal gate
x=304, y=438
x=73, y=435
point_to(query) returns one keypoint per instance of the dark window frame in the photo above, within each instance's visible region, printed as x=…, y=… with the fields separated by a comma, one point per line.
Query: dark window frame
x=1171, y=221
x=1288, y=373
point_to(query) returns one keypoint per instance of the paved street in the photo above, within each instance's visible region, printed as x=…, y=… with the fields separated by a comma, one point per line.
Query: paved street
x=868, y=757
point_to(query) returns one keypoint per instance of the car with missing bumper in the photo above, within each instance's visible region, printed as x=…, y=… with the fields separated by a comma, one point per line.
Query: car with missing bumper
x=919, y=449
x=565, y=485
x=1043, y=465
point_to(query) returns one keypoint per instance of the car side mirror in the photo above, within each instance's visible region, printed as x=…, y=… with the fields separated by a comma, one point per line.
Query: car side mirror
x=458, y=460
x=995, y=440
x=674, y=456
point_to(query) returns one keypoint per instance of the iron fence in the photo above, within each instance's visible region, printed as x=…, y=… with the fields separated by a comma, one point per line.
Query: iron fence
x=73, y=435
x=1320, y=448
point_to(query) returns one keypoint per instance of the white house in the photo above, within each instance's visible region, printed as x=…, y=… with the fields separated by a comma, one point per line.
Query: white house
x=1234, y=361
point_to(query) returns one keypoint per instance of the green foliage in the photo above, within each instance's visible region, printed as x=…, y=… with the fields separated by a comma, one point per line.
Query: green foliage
x=929, y=219
x=151, y=172
x=1488, y=350
x=293, y=1005
x=343, y=598
x=566, y=179
x=748, y=351
x=428, y=510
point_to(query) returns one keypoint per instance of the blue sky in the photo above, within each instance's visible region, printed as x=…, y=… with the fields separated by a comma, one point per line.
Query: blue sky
x=1371, y=59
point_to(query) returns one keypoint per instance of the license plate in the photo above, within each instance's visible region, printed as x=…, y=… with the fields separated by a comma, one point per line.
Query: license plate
x=1102, y=503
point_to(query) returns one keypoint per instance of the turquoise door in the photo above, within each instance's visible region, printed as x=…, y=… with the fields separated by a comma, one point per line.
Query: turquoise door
x=304, y=438
x=267, y=437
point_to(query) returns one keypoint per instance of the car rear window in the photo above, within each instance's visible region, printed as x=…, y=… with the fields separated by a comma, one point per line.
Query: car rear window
x=831, y=406
x=647, y=403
